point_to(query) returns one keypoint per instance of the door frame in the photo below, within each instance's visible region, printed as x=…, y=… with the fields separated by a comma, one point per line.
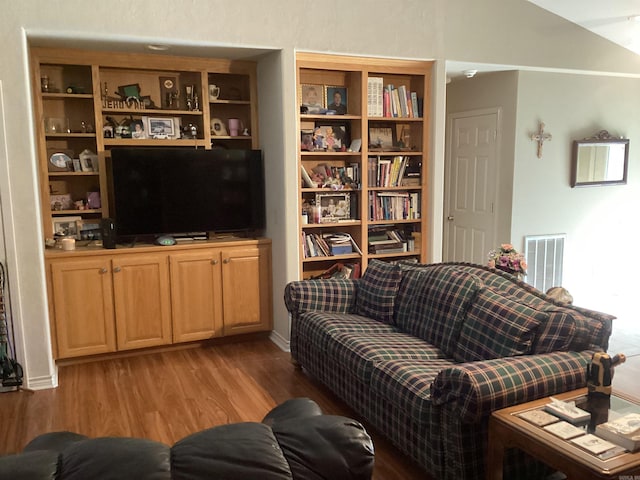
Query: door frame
x=451, y=117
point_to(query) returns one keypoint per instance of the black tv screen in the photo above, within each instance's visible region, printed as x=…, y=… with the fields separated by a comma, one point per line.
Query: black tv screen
x=172, y=191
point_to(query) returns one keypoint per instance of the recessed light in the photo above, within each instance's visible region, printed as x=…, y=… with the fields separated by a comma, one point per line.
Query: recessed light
x=158, y=47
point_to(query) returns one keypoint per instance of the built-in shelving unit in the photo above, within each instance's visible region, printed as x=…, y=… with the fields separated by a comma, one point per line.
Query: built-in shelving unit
x=374, y=203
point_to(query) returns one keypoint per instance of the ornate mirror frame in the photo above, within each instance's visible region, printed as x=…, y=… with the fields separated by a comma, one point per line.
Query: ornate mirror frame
x=599, y=160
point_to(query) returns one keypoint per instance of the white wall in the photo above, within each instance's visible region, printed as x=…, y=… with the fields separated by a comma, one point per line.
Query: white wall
x=502, y=31
x=600, y=222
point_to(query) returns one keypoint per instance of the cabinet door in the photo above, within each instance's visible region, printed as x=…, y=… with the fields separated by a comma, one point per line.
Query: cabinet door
x=246, y=289
x=142, y=300
x=83, y=307
x=196, y=295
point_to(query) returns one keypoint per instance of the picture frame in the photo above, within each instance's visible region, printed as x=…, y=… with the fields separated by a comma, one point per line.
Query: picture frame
x=336, y=99
x=312, y=97
x=67, y=227
x=161, y=127
x=306, y=140
x=334, y=207
x=331, y=137
x=138, y=130
x=382, y=138
x=86, y=165
x=61, y=202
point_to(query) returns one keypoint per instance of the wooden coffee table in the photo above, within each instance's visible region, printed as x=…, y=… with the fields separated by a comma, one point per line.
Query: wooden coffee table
x=508, y=430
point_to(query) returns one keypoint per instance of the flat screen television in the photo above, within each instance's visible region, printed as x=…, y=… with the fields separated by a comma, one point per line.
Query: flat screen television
x=185, y=191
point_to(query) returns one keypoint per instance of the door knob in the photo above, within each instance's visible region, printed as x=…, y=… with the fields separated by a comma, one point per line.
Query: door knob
x=117, y=269
x=214, y=262
x=103, y=270
x=226, y=260
x=450, y=218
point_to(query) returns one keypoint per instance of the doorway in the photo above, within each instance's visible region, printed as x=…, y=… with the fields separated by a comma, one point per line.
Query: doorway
x=470, y=184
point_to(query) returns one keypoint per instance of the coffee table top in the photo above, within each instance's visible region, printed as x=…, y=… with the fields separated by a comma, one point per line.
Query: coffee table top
x=530, y=420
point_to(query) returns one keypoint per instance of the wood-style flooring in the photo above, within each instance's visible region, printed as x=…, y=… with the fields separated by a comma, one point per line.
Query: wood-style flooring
x=167, y=396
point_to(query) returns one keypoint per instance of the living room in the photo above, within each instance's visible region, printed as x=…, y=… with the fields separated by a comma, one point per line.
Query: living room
x=272, y=32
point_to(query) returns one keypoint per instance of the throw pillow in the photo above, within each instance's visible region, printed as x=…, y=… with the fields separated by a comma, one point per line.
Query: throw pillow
x=377, y=291
x=497, y=326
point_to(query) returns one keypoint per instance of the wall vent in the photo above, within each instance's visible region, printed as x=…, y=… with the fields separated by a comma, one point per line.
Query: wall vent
x=544, y=254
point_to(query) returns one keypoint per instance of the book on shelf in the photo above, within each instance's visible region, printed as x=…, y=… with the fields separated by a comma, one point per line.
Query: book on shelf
x=375, y=96
x=623, y=431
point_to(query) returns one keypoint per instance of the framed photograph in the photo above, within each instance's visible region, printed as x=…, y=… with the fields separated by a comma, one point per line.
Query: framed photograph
x=161, y=127
x=381, y=138
x=334, y=206
x=61, y=202
x=336, y=99
x=306, y=140
x=330, y=137
x=86, y=165
x=138, y=130
x=67, y=227
x=312, y=97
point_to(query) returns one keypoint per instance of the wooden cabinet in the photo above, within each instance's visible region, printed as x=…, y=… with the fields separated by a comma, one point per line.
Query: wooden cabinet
x=90, y=100
x=366, y=152
x=115, y=300
x=196, y=293
x=246, y=301
x=142, y=300
x=82, y=296
x=220, y=291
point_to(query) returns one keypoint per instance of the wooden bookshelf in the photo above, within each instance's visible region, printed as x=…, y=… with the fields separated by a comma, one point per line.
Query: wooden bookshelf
x=409, y=138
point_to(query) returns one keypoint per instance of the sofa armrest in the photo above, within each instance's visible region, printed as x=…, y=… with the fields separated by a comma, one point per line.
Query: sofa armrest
x=475, y=389
x=326, y=295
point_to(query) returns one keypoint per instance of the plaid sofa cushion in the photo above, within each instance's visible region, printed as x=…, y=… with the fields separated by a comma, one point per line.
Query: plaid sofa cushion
x=358, y=353
x=590, y=334
x=497, y=326
x=439, y=299
x=319, y=328
x=555, y=335
x=377, y=291
x=406, y=384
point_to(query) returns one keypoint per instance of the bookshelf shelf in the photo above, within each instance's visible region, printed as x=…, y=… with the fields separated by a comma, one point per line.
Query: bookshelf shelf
x=408, y=137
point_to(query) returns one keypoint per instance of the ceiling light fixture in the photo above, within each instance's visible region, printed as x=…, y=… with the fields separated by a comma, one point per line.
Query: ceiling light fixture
x=634, y=18
x=470, y=73
x=158, y=47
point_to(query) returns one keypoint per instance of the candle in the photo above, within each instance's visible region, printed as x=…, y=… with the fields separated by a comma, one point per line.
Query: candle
x=68, y=243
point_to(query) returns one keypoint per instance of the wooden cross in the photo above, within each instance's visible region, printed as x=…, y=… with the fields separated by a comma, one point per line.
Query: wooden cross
x=540, y=137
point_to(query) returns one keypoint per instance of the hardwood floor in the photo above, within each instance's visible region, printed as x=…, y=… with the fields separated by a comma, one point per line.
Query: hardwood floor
x=167, y=396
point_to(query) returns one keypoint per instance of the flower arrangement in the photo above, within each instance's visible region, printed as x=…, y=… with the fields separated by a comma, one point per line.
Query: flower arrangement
x=507, y=259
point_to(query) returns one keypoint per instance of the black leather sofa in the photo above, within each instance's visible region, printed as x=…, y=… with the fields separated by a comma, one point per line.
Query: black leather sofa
x=295, y=441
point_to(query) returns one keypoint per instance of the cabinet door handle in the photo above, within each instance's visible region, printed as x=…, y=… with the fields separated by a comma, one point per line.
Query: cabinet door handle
x=117, y=269
x=214, y=262
x=226, y=260
x=103, y=270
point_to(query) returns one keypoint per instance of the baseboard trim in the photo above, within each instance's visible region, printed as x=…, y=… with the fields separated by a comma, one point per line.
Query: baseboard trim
x=42, y=383
x=282, y=343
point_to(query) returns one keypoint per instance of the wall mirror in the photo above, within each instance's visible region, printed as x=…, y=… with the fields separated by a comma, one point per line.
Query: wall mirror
x=599, y=160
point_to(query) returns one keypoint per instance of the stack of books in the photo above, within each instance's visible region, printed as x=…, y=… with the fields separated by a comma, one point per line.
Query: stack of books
x=382, y=240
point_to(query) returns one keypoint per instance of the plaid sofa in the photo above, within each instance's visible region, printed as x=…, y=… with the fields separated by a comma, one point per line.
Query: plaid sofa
x=425, y=353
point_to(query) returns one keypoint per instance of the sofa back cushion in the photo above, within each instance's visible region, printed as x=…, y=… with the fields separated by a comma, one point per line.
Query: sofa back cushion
x=432, y=303
x=377, y=290
x=497, y=326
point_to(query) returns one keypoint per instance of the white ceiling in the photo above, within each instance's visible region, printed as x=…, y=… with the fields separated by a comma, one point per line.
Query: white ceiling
x=607, y=18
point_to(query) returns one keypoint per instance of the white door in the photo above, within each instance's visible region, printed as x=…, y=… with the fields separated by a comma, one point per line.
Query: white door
x=472, y=166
